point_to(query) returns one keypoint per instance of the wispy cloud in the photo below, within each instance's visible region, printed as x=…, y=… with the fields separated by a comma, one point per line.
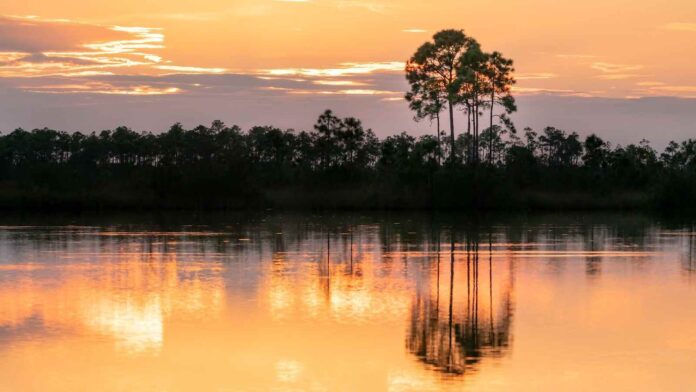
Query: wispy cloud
x=647, y=84
x=344, y=69
x=553, y=91
x=620, y=76
x=338, y=83
x=102, y=88
x=190, y=70
x=414, y=31
x=535, y=76
x=685, y=91
x=680, y=26
x=614, y=68
x=35, y=48
x=98, y=62
x=144, y=38
x=32, y=34
x=343, y=92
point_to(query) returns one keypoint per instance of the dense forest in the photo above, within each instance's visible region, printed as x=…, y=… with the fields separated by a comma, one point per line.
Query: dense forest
x=339, y=164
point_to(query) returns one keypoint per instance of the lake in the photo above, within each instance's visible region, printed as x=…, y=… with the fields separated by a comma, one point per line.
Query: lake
x=347, y=302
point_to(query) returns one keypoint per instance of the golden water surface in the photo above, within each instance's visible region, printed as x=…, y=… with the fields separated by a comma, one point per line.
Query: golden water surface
x=348, y=303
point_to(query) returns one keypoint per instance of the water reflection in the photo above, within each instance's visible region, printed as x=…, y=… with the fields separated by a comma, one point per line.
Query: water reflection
x=117, y=288
x=471, y=322
x=688, y=262
x=350, y=303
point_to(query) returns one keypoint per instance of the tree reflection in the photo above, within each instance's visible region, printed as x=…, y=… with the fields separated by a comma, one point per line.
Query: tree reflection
x=593, y=264
x=688, y=263
x=476, y=321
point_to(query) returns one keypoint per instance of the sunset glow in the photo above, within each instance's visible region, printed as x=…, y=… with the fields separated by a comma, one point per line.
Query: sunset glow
x=222, y=50
x=347, y=195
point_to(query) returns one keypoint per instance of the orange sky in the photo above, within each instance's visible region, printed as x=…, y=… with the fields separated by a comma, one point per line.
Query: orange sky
x=301, y=50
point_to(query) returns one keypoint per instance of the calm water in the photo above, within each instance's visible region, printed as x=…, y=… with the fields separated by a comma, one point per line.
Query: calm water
x=347, y=303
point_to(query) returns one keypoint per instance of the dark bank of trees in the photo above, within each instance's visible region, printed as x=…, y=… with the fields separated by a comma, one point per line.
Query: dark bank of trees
x=339, y=164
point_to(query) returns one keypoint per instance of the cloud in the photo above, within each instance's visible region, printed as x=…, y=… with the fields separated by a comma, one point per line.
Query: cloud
x=34, y=47
x=101, y=83
x=142, y=38
x=690, y=89
x=680, y=26
x=620, y=76
x=344, y=69
x=345, y=92
x=614, y=68
x=552, y=91
x=190, y=70
x=211, y=84
x=684, y=91
x=102, y=88
x=83, y=55
x=535, y=76
x=41, y=58
x=32, y=35
x=379, y=78
x=416, y=31
x=338, y=83
x=612, y=71
x=644, y=84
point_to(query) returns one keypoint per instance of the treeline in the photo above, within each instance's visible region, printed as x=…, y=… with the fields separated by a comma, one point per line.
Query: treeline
x=339, y=164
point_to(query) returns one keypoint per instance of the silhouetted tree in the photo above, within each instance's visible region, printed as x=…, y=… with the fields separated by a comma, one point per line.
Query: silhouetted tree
x=498, y=71
x=471, y=69
x=432, y=74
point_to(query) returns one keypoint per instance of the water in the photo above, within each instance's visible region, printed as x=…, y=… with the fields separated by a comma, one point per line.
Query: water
x=347, y=303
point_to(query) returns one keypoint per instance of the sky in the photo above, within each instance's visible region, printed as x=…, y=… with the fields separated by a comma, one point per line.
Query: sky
x=621, y=69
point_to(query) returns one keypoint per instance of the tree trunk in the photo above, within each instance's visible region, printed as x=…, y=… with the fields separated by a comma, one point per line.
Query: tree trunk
x=490, y=142
x=439, y=148
x=476, y=131
x=469, y=144
x=451, y=118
